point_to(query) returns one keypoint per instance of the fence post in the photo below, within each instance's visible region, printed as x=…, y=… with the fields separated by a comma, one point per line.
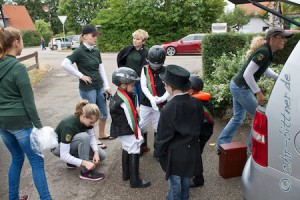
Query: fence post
x=37, y=60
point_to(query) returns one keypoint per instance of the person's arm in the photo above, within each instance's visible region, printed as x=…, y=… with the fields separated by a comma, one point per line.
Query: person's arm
x=94, y=146
x=67, y=157
x=163, y=98
x=23, y=83
x=249, y=76
x=67, y=65
x=104, y=77
x=146, y=91
x=271, y=74
x=93, y=140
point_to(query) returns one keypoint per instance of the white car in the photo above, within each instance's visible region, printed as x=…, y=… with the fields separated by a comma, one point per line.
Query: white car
x=74, y=39
x=64, y=42
x=273, y=170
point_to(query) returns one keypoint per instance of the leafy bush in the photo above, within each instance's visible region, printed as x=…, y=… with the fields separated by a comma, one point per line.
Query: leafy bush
x=31, y=38
x=226, y=67
x=215, y=45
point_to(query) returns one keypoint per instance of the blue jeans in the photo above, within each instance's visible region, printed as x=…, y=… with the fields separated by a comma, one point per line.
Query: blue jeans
x=18, y=143
x=96, y=97
x=137, y=91
x=243, y=100
x=179, y=188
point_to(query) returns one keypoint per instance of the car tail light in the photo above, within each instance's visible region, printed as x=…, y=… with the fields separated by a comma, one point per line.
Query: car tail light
x=260, y=138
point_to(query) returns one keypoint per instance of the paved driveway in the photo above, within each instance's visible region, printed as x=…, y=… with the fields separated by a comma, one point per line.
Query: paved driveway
x=56, y=97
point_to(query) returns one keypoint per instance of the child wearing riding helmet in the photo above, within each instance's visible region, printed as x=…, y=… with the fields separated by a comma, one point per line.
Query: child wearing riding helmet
x=208, y=125
x=124, y=125
x=154, y=93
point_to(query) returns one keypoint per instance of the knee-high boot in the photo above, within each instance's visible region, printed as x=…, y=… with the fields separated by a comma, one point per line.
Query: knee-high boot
x=125, y=165
x=144, y=146
x=135, y=181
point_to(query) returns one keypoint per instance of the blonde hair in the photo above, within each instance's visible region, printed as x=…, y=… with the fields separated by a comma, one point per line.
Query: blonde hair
x=140, y=33
x=86, y=108
x=7, y=37
x=256, y=43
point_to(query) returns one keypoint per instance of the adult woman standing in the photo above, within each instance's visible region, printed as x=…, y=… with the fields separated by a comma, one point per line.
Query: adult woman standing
x=243, y=85
x=93, y=81
x=18, y=115
x=134, y=57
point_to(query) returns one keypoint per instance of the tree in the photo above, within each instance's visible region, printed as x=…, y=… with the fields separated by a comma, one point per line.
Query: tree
x=79, y=12
x=236, y=19
x=164, y=20
x=44, y=29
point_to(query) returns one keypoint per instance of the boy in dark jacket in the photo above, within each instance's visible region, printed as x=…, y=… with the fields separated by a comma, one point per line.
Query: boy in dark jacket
x=207, y=131
x=177, y=144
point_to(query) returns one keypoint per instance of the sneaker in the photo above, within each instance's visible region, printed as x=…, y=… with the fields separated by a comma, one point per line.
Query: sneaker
x=71, y=166
x=91, y=175
x=24, y=197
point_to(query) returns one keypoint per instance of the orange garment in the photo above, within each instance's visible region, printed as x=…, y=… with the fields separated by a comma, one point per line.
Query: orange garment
x=202, y=96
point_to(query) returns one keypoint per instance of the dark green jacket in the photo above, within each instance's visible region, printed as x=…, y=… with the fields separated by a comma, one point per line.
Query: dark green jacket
x=17, y=107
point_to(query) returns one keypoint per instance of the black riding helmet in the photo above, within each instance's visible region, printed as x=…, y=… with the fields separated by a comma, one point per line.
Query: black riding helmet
x=124, y=75
x=196, y=83
x=156, y=56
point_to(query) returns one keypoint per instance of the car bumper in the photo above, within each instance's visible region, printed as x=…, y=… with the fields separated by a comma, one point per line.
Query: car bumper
x=264, y=183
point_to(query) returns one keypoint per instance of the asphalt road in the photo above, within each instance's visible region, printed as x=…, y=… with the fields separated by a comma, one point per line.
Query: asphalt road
x=56, y=97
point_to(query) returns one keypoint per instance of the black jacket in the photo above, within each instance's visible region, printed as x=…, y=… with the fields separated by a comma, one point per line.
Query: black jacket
x=177, y=143
x=121, y=58
x=119, y=124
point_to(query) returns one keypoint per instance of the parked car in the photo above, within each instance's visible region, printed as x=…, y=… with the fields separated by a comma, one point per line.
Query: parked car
x=64, y=42
x=273, y=172
x=190, y=44
x=74, y=39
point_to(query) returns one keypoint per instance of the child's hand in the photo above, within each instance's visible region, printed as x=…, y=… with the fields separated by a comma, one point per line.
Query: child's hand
x=153, y=103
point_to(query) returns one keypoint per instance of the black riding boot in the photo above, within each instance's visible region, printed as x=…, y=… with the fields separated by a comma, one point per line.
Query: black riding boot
x=125, y=165
x=135, y=181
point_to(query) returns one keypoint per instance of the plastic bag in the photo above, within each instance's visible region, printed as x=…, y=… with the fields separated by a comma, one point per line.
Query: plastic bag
x=43, y=139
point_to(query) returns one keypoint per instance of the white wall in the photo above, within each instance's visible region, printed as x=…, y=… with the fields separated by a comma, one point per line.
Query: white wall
x=255, y=25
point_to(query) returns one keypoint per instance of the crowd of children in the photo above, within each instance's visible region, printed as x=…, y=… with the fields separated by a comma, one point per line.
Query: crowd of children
x=168, y=96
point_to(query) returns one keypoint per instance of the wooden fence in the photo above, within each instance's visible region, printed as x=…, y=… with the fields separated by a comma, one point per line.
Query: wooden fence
x=34, y=66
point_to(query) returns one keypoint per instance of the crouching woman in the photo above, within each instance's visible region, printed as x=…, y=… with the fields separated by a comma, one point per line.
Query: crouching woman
x=77, y=141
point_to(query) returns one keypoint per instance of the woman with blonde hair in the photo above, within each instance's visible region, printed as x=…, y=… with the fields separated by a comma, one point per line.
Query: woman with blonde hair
x=77, y=141
x=243, y=86
x=134, y=57
x=18, y=115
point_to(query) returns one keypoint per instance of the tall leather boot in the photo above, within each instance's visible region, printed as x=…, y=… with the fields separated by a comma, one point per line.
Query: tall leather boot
x=144, y=146
x=135, y=181
x=125, y=165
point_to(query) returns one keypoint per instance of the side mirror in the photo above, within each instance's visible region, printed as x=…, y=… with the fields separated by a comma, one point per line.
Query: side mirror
x=180, y=41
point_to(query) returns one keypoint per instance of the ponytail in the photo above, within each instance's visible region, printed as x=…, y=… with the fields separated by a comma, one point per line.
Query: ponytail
x=7, y=37
x=86, y=108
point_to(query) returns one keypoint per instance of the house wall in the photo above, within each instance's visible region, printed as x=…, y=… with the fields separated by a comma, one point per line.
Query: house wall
x=255, y=25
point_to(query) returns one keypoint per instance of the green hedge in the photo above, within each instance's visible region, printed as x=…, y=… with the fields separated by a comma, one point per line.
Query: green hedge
x=31, y=38
x=215, y=45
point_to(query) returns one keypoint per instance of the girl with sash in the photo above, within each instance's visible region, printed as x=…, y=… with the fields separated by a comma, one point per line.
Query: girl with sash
x=154, y=93
x=125, y=125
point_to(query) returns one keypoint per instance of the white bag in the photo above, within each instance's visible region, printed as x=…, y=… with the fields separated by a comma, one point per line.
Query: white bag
x=43, y=139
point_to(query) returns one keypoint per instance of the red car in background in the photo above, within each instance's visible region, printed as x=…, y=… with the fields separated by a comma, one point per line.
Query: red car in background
x=190, y=44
